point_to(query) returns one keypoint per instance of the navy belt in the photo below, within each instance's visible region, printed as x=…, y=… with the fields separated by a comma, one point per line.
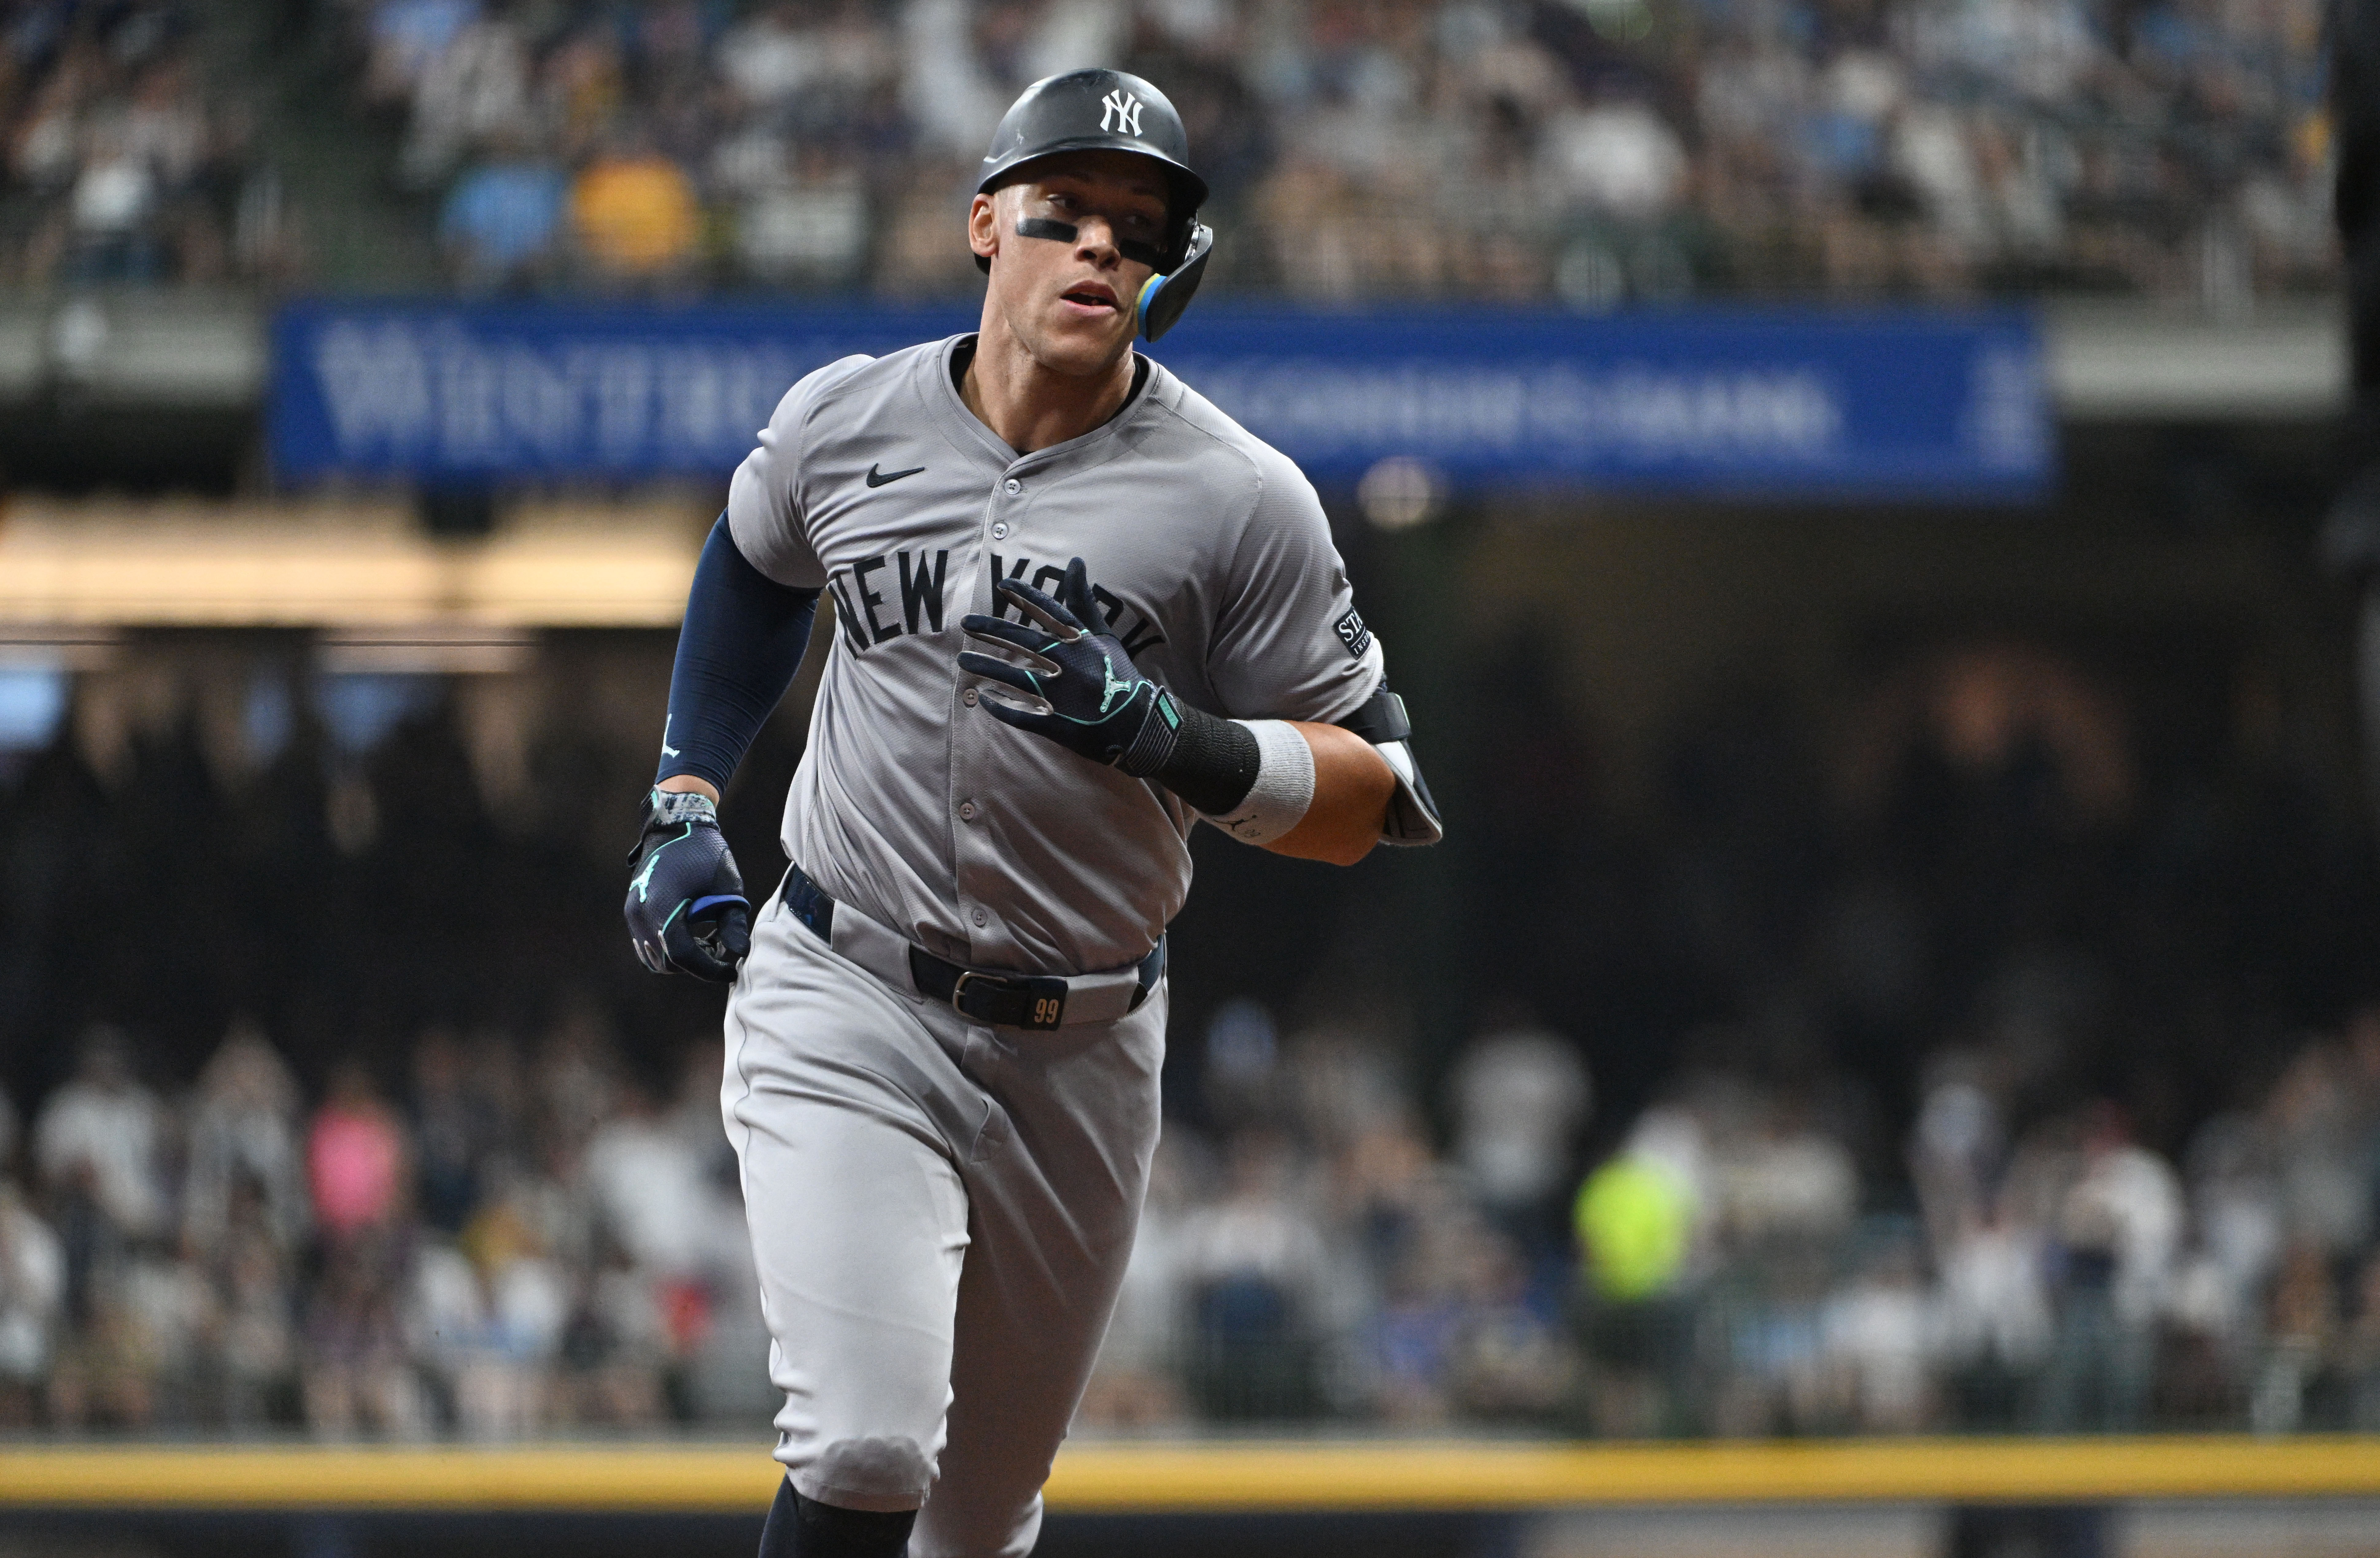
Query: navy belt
x=1031, y=1001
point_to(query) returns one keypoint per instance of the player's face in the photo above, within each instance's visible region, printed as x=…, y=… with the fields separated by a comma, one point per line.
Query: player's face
x=1070, y=303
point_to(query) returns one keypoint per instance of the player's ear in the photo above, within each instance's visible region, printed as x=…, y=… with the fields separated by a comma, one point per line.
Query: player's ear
x=983, y=225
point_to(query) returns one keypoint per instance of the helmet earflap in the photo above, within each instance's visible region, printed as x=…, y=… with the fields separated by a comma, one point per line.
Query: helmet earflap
x=1165, y=295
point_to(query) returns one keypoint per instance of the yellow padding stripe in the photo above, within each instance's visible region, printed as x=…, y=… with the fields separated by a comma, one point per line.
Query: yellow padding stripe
x=1475, y=1476
x=1286, y=1476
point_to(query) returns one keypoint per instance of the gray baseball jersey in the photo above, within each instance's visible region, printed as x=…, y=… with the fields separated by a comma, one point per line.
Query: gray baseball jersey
x=1214, y=563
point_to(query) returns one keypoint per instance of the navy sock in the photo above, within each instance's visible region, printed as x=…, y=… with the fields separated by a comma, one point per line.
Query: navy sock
x=800, y=1527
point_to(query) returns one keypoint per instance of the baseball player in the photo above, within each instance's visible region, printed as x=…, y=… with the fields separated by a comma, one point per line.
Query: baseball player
x=1077, y=611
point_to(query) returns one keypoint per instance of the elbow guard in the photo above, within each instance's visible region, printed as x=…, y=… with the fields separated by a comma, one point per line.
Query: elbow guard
x=1413, y=815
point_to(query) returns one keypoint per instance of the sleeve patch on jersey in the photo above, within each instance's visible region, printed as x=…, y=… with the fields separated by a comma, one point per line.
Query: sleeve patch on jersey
x=1353, y=633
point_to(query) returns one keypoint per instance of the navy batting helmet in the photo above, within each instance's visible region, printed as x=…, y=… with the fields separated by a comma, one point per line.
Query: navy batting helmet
x=1109, y=111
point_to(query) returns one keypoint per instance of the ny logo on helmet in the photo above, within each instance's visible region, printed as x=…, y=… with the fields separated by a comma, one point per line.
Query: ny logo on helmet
x=1119, y=110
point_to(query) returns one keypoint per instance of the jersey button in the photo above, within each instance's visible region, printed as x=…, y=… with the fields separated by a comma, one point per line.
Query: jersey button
x=1013, y=486
x=999, y=530
x=967, y=697
x=981, y=918
x=966, y=812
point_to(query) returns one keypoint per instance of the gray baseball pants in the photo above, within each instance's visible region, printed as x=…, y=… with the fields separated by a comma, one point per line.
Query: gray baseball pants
x=941, y=1215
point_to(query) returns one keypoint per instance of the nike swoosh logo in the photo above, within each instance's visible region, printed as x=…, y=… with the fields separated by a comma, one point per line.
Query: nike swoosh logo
x=877, y=479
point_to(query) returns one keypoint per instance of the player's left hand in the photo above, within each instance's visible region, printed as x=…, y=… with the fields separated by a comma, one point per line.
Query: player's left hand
x=1099, y=703
x=686, y=910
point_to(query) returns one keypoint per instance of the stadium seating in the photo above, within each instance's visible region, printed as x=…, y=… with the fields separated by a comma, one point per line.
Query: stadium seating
x=1596, y=151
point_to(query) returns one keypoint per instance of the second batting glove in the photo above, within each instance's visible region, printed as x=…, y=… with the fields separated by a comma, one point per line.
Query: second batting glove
x=686, y=910
x=1100, y=704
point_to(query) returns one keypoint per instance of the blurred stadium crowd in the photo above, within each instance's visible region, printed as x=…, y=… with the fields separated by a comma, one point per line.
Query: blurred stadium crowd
x=507, y=1247
x=1594, y=150
x=512, y=1242
x=126, y=162
x=1727, y=1272
x=1976, y=1071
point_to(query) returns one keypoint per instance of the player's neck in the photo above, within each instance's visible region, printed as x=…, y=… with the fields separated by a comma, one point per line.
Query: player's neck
x=1030, y=407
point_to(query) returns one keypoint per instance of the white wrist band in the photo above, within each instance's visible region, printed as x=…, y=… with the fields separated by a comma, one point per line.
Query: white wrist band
x=1284, y=788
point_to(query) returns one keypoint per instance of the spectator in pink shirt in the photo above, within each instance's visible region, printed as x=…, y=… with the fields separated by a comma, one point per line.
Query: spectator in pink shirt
x=354, y=1157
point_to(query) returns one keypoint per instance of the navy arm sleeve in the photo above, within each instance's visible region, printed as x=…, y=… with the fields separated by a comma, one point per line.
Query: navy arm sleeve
x=741, y=643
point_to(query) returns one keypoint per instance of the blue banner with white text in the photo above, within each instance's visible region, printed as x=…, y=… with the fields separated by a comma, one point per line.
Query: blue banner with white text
x=1733, y=402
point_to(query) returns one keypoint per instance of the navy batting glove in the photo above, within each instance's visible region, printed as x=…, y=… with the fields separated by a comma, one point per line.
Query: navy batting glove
x=1099, y=703
x=686, y=910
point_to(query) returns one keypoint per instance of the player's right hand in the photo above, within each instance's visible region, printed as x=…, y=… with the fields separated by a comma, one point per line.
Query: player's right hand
x=686, y=910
